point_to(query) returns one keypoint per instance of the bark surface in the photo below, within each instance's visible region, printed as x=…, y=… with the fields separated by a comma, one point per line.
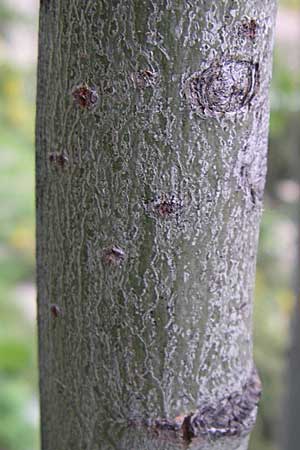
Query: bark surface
x=152, y=123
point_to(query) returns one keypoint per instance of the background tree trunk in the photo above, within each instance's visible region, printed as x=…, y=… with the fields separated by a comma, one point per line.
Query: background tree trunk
x=152, y=121
x=292, y=401
x=290, y=432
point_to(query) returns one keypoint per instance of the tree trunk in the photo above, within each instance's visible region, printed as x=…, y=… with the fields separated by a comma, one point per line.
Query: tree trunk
x=152, y=122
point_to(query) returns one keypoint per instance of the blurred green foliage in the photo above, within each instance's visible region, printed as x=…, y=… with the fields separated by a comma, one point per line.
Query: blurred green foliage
x=273, y=305
x=18, y=367
x=274, y=295
x=290, y=4
x=8, y=15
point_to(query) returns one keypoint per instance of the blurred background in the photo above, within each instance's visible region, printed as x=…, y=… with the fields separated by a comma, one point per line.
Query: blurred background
x=276, y=284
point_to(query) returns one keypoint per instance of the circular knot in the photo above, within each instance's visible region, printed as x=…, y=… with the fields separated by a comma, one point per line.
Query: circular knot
x=225, y=87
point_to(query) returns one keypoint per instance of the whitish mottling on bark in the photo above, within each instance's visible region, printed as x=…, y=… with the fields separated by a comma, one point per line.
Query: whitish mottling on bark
x=152, y=126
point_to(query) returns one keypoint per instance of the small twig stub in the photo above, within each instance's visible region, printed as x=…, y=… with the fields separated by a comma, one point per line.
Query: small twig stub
x=113, y=256
x=85, y=96
x=55, y=311
x=58, y=158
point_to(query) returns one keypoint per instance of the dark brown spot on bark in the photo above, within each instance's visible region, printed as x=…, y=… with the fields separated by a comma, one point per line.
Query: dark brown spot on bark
x=59, y=159
x=144, y=78
x=225, y=87
x=248, y=28
x=113, y=256
x=55, y=311
x=187, y=435
x=166, y=205
x=165, y=209
x=84, y=96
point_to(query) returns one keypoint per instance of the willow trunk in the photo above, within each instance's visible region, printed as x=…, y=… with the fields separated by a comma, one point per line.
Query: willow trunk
x=152, y=123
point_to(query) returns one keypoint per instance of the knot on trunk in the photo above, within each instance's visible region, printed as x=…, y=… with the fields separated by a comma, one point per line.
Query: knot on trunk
x=232, y=416
x=225, y=87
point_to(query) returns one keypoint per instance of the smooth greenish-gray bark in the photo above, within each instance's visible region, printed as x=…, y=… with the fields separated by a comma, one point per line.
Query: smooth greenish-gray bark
x=152, y=123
